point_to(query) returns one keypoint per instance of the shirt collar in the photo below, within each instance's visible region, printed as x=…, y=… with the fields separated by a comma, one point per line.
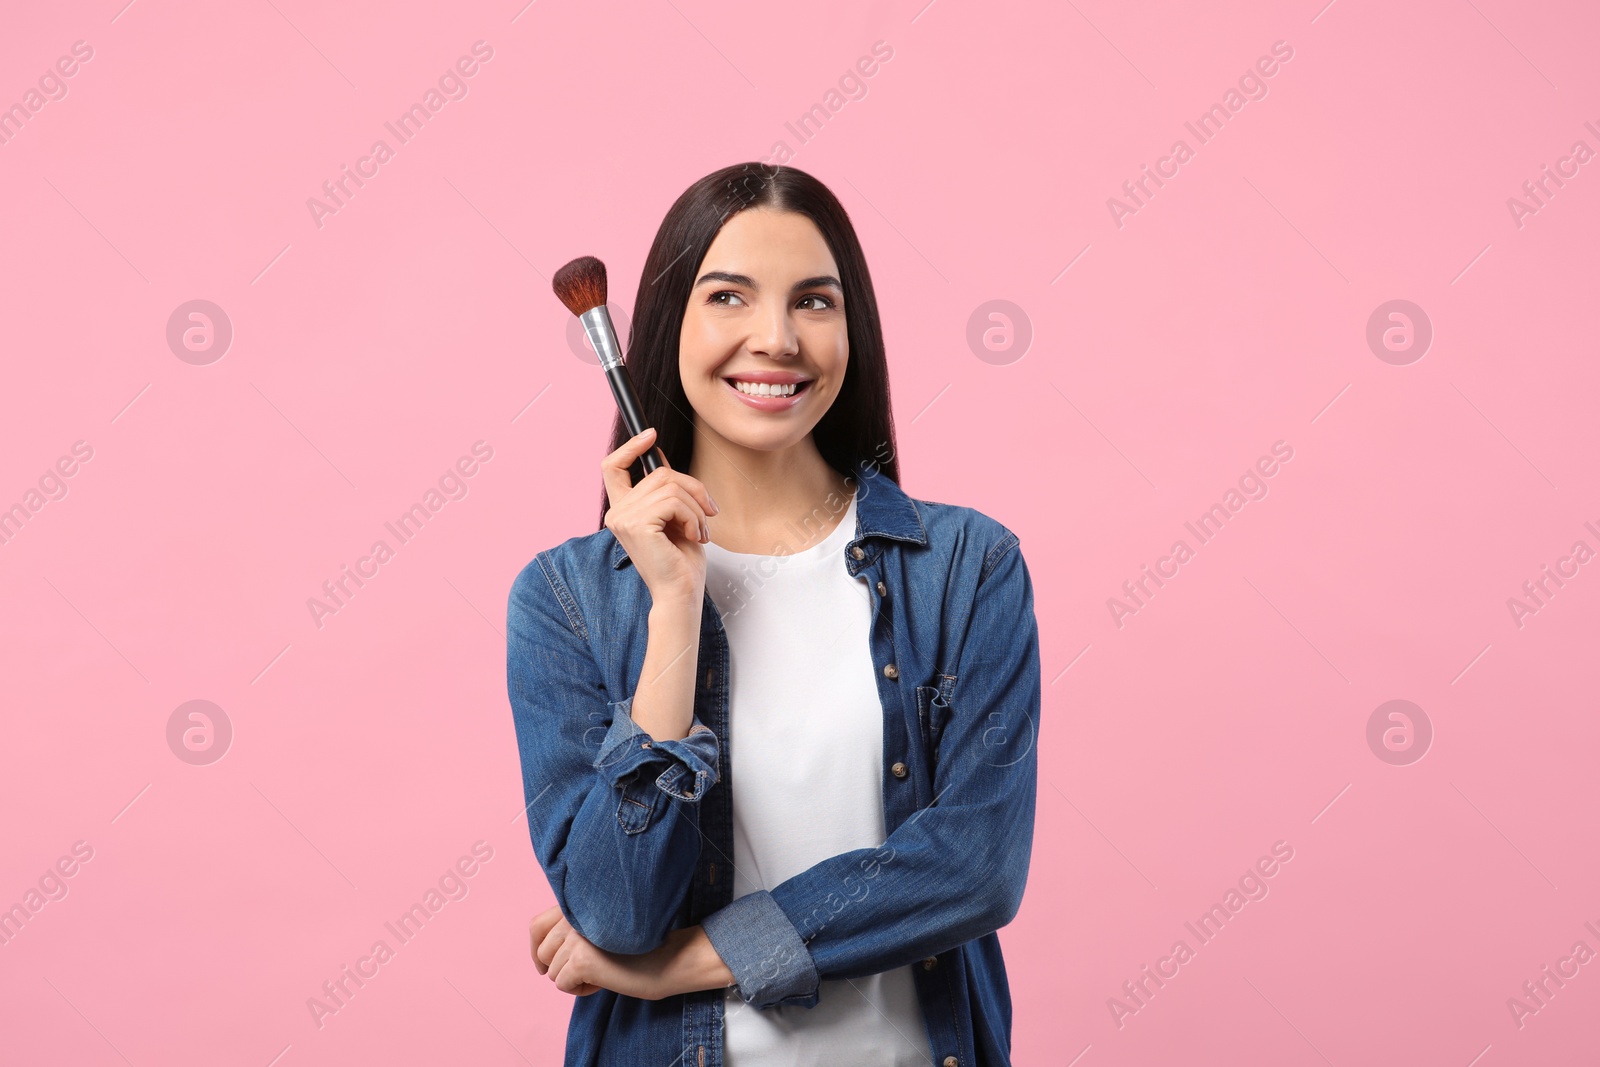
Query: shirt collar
x=882, y=510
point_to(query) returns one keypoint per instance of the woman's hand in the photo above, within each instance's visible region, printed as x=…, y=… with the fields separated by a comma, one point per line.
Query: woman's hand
x=577, y=967
x=661, y=522
x=548, y=933
x=684, y=963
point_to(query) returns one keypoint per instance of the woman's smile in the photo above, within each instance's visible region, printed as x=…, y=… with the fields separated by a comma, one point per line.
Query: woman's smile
x=768, y=390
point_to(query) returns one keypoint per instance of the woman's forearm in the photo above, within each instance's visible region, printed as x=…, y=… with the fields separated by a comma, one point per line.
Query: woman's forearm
x=663, y=699
x=692, y=964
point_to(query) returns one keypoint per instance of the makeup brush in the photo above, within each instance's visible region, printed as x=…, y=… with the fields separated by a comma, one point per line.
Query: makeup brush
x=581, y=285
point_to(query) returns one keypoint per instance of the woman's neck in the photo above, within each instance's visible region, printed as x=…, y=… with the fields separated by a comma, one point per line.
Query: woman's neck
x=772, y=503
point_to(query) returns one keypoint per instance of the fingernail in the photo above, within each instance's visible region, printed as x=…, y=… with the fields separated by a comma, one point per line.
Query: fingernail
x=713, y=502
x=705, y=534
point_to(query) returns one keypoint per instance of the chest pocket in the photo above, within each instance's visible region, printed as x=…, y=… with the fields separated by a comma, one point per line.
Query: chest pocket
x=933, y=714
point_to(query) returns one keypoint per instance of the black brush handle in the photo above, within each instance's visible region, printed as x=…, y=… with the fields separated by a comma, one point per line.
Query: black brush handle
x=632, y=414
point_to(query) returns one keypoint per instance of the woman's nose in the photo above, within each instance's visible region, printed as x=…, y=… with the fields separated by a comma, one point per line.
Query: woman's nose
x=773, y=334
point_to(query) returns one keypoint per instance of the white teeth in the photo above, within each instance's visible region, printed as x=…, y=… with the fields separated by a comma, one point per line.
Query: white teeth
x=763, y=389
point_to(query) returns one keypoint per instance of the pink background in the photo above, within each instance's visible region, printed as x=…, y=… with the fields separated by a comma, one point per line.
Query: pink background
x=1168, y=354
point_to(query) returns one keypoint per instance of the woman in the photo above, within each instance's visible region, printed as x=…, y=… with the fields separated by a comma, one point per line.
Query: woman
x=776, y=718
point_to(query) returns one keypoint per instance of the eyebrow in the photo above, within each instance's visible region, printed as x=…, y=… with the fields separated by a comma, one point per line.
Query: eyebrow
x=820, y=281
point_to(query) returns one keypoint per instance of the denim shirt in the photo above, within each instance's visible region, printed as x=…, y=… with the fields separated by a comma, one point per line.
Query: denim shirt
x=636, y=834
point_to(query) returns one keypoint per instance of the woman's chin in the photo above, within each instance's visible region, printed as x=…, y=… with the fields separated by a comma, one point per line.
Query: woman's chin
x=760, y=438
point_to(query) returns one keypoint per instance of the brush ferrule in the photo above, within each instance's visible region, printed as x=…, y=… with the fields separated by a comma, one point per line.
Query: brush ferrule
x=602, y=336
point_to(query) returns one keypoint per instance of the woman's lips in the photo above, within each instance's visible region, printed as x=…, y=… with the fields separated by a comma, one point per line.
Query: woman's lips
x=770, y=403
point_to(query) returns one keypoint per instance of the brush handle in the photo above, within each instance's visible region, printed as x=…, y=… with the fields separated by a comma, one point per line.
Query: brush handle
x=632, y=416
x=603, y=336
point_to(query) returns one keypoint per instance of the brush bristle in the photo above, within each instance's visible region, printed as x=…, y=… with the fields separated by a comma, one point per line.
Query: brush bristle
x=581, y=284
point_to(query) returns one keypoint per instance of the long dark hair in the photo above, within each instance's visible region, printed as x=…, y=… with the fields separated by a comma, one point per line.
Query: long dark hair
x=858, y=426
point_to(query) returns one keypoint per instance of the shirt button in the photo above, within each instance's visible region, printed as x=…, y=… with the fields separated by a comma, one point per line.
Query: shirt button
x=856, y=552
x=951, y=1061
x=882, y=589
x=928, y=964
x=891, y=671
x=898, y=770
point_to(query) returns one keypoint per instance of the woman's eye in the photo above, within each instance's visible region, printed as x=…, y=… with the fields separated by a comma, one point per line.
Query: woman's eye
x=814, y=296
x=725, y=292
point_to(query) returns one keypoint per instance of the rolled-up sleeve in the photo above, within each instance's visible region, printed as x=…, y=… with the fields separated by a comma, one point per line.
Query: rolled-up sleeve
x=952, y=872
x=761, y=946
x=613, y=813
x=643, y=768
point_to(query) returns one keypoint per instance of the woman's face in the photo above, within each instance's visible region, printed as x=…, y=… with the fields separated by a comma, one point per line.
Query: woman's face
x=766, y=310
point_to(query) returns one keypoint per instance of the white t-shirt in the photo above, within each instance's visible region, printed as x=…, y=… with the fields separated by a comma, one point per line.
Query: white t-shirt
x=805, y=743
